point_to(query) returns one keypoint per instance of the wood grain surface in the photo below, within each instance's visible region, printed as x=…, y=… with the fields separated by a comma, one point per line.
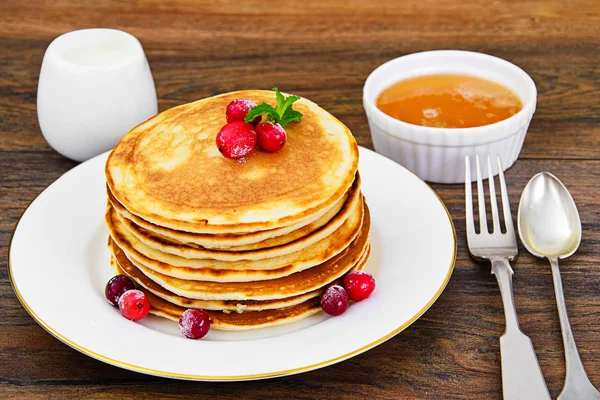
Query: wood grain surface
x=324, y=50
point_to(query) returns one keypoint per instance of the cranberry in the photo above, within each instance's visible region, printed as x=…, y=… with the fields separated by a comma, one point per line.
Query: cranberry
x=238, y=109
x=359, y=284
x=334, y=300
x=194, y=323
x=236, y=139
x=134, y=305
x=271, y=136
x=116, y=286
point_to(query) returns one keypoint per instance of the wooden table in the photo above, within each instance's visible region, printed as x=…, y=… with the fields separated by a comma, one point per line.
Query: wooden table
x=324, y=50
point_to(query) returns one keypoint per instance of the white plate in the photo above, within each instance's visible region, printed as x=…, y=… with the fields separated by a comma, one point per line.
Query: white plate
x=59, y=264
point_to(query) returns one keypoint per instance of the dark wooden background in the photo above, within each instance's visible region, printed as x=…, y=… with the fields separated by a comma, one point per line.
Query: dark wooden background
x=324, y=50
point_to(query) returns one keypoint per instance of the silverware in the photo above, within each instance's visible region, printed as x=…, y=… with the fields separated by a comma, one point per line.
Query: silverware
x=549, y=226
x=522, y=376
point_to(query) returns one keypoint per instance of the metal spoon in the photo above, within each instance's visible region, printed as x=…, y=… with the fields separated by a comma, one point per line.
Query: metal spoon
x=549, y=226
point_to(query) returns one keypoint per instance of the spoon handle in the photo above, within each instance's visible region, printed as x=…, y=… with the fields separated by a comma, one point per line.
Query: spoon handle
x=577, y=384
x=522, y=376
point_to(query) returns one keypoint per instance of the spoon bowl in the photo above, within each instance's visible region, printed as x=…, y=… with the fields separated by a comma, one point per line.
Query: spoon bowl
x=548, y=220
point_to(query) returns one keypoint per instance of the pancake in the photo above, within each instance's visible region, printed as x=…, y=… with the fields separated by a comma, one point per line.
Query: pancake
x=220, y=305
x=171, y=264
x=292, y=285
x=149, y=285
x=233, y=320
x=278, y=238
x=237, y=322
x=234, y=274
x=168, y=170
x=232, y=241
x=163, y=245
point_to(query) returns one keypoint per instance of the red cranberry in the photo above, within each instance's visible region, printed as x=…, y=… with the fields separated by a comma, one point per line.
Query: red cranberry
x=359, y=284
x=236, y=139
x=194, y=323
x=116, y=286
x=334, y=300
x=238, y=109
x=134, y=305
x=271, y=136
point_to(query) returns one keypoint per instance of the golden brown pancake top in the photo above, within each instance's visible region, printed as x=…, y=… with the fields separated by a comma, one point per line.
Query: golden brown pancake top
x=169, y=171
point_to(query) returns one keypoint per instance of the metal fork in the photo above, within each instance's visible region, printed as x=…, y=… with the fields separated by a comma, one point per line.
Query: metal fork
x=522, y=376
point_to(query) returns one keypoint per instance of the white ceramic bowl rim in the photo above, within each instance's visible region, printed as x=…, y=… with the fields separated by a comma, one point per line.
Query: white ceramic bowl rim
x=449, y=136
x=84, y=37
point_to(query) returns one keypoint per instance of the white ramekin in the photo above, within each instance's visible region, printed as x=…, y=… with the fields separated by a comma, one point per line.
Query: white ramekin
x=437, y=154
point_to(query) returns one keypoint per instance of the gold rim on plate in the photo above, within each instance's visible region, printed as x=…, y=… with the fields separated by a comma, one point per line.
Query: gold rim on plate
x=274, y=374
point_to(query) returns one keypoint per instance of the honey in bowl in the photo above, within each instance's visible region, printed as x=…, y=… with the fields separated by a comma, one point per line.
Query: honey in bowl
x=449, y=101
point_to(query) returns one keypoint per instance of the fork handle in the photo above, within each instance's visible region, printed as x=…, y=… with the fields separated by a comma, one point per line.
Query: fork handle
x=522, y=376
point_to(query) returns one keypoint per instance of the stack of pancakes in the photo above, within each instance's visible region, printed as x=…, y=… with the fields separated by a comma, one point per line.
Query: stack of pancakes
x=254, y=241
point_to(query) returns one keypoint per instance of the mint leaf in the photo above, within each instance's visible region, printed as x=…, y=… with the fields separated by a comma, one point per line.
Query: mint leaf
x=288, y=102
x=290, y=116
x=282, y=114
x=262, y=108
x=280, y=101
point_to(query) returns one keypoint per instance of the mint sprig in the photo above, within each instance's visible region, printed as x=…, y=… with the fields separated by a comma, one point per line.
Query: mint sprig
x=282, y=114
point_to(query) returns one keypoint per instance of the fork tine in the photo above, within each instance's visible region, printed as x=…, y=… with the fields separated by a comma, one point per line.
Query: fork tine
x=493, y=200
x=481, y=199
x=508, y=222
x=468, y=199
